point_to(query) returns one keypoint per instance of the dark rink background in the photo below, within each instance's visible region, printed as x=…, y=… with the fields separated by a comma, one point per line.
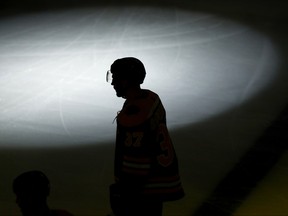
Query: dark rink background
x=219, y=67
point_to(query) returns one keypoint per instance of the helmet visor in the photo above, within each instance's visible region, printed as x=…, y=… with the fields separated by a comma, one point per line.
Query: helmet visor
x=109, y=76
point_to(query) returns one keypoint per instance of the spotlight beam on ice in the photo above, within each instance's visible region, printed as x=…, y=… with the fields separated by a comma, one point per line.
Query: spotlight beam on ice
x=53, y=64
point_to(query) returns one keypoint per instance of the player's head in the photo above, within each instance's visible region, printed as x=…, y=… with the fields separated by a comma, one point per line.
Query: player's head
x=31, y=189
x=129, y=68
x=126, y=72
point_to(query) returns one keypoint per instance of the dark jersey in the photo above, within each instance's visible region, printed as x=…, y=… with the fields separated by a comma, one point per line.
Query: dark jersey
x=145, y=161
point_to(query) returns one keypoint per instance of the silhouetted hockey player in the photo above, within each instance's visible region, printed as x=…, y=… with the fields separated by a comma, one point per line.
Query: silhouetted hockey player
x=146, y=166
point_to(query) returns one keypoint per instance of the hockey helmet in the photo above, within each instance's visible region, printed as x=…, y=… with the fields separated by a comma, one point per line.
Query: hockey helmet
x=129, y=68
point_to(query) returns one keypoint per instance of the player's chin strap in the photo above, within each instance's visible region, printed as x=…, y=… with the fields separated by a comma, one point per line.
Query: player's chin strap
x=115, y=117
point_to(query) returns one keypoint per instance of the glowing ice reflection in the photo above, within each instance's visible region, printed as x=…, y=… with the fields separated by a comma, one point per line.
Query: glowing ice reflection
x=53, y=65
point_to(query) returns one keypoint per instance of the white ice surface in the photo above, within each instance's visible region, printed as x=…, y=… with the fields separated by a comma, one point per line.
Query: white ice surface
x=53, y=64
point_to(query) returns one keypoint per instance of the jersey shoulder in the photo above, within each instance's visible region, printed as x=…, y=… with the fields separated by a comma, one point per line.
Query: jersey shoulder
x=138, y=111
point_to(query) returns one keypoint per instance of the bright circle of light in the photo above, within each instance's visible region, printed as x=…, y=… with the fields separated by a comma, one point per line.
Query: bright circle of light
x=53, y=65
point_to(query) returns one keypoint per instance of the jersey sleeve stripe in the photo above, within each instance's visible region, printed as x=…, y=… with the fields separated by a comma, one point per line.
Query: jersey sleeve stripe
x=138, y=166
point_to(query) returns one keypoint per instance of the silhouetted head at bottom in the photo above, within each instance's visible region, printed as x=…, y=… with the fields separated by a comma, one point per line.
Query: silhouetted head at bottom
x=32, y=189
